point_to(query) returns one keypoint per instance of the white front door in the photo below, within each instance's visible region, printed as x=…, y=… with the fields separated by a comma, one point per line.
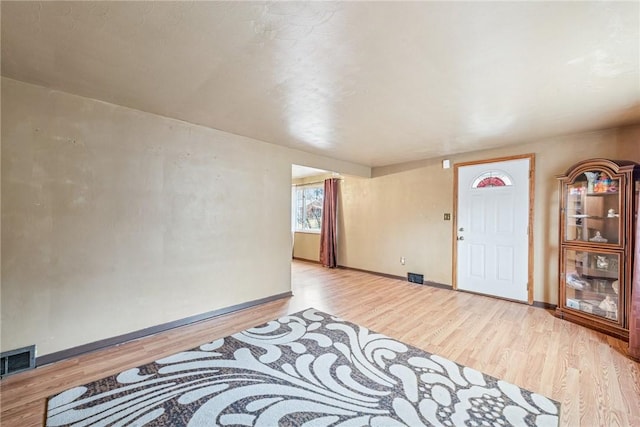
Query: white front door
x=492, y=228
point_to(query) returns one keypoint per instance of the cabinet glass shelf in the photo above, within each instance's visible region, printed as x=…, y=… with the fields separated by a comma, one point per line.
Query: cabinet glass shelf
x=592, y=282
x=592, y=209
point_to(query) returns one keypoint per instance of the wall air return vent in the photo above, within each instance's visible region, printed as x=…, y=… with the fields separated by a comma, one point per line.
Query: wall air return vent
x=415, y=278
x=14, y=361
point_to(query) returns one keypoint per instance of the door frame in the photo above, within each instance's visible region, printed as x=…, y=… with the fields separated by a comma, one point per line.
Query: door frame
x=532, y=169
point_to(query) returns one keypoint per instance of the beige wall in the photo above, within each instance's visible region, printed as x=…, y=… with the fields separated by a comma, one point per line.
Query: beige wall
x=114, y=220
x=629, y=143
x=307, y=246
x=397, y=215
x=399, y=212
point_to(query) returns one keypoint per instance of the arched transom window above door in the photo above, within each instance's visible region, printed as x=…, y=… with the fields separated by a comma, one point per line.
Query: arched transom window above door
x=493, y=178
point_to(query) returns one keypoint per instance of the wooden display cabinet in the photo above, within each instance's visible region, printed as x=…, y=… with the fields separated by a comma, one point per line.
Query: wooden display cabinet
x=596, y=244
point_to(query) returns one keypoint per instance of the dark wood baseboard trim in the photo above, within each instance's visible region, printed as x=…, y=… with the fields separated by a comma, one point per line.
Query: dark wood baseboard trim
x=438, y=285
x=375, y=273
x=392, y=276
x=538, y=304
x=121, y=339
x=545, y=305
x=313, y=261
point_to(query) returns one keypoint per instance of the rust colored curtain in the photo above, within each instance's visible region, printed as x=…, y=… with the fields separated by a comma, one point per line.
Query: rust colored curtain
x=634, y=314
x=328, y=229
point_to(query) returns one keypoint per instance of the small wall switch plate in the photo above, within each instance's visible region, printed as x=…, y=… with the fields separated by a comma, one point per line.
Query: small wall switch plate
x=402, y=260
x=447, y=217
x=446, y=164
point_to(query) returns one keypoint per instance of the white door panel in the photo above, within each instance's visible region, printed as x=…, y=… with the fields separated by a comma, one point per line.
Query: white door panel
x=477, y=261
x=492, y=221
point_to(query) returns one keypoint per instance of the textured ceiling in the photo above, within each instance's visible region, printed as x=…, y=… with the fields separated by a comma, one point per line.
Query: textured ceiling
x=375, y=83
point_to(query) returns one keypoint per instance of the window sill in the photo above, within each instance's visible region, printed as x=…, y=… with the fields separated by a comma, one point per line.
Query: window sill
x=307, y=231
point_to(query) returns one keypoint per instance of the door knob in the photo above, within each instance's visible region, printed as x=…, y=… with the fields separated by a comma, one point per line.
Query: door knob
x=461, y=229
x=461, y=238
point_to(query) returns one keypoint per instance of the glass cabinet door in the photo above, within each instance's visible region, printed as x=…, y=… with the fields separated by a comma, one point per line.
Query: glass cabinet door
x=592, y=209
x=592, y=283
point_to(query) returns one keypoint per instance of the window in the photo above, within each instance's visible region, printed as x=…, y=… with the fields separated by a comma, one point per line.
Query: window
x=307, y=208
x=492, y=179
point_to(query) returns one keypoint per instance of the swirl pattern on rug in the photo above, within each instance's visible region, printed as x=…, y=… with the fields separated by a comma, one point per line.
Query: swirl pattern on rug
x=306, y=369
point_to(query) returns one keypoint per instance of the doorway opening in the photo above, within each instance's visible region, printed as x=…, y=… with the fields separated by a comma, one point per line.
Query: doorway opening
x=306, y=211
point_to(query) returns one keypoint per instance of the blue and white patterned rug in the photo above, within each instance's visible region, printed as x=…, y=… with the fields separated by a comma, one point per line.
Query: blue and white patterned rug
x=306, y=369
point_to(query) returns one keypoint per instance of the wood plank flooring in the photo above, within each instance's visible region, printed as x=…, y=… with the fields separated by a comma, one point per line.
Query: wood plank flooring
x=586, y=371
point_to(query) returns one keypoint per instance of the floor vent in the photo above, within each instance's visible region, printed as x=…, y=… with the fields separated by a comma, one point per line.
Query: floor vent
x=14, y=361
x=415, y=278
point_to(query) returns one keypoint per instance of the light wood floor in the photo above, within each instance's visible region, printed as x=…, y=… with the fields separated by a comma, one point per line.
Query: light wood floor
x=584, y=370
